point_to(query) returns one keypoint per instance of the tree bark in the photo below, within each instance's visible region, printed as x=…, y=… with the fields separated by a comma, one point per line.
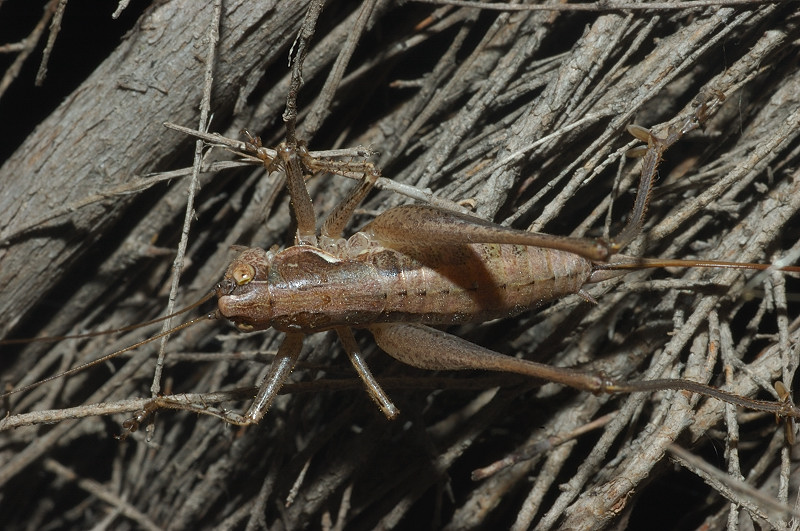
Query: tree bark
x=520, y=116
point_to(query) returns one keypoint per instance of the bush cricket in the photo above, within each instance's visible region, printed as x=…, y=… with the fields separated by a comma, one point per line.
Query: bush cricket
x=466, y=270
x=379, y=364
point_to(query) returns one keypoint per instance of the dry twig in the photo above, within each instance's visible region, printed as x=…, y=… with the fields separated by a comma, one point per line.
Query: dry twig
x=470, y=104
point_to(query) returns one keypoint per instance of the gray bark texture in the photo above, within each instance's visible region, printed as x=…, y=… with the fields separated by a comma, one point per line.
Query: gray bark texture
x=520, y=117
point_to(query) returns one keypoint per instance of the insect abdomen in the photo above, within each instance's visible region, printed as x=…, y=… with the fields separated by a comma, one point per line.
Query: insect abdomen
x=473, y=283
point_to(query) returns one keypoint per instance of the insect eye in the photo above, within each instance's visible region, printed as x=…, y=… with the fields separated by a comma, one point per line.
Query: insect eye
x=243, y=273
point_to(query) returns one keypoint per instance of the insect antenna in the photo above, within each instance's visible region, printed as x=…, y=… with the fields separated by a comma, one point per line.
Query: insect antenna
x=79, y=368
x=48, y=339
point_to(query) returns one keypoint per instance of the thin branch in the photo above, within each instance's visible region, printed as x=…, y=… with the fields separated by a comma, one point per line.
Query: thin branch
x=55, y=27
x=301, y=44
x=28, y=46
x=759, y=504
x=599, y=7
x=177, y=267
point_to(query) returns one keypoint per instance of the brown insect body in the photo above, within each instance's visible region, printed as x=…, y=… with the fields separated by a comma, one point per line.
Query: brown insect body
x=383, y=279
x=367, y=280
x=465, y=270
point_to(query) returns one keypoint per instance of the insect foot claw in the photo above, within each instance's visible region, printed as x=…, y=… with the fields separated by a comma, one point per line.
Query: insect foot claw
x=253, y=142
x=129, y=426
x=132, y=424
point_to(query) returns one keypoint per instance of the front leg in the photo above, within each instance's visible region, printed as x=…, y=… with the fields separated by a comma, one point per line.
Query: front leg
x=301, y=201
x=340, y=216
x=279, y=371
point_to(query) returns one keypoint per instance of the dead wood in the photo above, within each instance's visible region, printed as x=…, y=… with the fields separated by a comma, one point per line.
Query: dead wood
x=521, y=112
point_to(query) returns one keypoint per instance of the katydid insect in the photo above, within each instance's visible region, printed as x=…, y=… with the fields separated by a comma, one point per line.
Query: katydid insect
x=295, y=422
x=457, y=269
x=313, y=248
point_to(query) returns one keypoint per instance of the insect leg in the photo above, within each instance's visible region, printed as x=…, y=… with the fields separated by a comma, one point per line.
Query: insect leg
x=301, y=201
x=373, y=388
x=339, y=216
x=427, y=348
x=279, y=371
x=434, y=225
